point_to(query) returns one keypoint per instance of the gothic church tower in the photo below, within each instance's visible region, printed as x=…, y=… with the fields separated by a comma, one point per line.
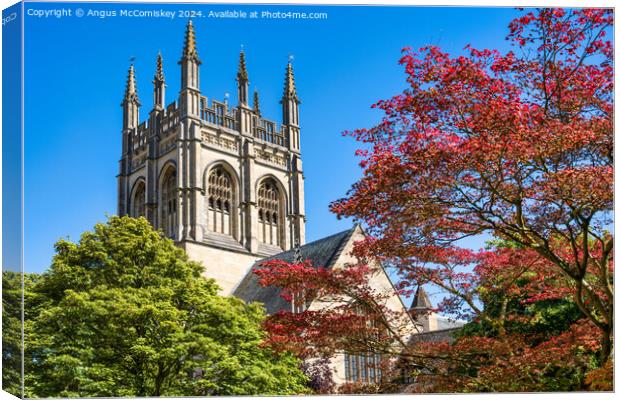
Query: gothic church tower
x=222, y=181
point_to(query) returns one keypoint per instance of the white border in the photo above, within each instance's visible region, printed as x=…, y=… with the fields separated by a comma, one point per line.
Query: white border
x=475, y=3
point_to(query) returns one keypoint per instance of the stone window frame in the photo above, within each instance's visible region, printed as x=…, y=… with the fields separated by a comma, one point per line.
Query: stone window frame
x=169, y=203
x=138, y=209
x=271, y=209
x=221, y=201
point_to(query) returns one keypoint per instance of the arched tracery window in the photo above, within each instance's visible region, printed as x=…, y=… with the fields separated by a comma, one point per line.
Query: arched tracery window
x=270, y=221
x=169, y=202
x=220, y=202
x=138, y=201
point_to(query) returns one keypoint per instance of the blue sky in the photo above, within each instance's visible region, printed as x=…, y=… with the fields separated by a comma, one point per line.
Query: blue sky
x=76, y=69
x=11, y=143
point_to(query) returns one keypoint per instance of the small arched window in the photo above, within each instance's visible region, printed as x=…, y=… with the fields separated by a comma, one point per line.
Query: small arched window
x=270, y=223
x=138, y=201
x=169, y=203
x=220, y=191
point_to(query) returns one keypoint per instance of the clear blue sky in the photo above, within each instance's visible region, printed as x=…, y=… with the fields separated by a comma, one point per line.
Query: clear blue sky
x=11, y=142
x=76, y=70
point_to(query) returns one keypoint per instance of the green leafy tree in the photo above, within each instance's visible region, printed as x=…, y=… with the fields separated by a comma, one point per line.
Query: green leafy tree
x=11, y=332
x=124, y=312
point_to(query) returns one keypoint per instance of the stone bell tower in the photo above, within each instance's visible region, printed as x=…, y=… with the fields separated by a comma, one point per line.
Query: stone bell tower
x=225, y=183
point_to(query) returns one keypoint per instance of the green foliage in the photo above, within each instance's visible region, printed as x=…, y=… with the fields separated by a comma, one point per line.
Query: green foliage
x=11, y=332
x=542, y=319
x=12, y=326
x=124, y=312
x=550, y=317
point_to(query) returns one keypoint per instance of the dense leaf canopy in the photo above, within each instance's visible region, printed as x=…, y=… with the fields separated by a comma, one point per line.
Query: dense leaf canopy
x=124, y=312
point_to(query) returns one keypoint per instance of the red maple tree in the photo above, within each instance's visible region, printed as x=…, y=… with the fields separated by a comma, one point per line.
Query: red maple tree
x=354, y=317
x=516, y=145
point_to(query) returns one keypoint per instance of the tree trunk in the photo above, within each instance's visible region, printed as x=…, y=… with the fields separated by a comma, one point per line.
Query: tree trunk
x=606, y=345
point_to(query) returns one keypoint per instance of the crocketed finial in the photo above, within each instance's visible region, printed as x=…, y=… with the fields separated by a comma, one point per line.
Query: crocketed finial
x=159, y=73
x=189, y=49
x=256, y=103
x=289, y=82
x=242, y=74
x=131, y=92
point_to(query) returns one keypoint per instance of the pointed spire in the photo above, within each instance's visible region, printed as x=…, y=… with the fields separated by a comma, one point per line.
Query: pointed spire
x=290, y=103
x=242, y=74
x=190, y=71
x=159, y=73
x=159, y=84
x=131, y=93
x=256, y=103
x=189, y=48
x=421, y=299
x=242, y=81
x=290, y=92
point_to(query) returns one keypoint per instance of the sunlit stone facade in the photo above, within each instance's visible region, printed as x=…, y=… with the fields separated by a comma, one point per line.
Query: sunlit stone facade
x=222, y=181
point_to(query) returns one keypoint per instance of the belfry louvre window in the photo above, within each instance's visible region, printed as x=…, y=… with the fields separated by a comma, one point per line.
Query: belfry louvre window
x=269, y=213
x=138, y=208
x=220, y=217
x=169, y=203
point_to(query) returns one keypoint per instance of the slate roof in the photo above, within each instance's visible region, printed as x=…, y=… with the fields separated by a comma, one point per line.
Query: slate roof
x=323, y=253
